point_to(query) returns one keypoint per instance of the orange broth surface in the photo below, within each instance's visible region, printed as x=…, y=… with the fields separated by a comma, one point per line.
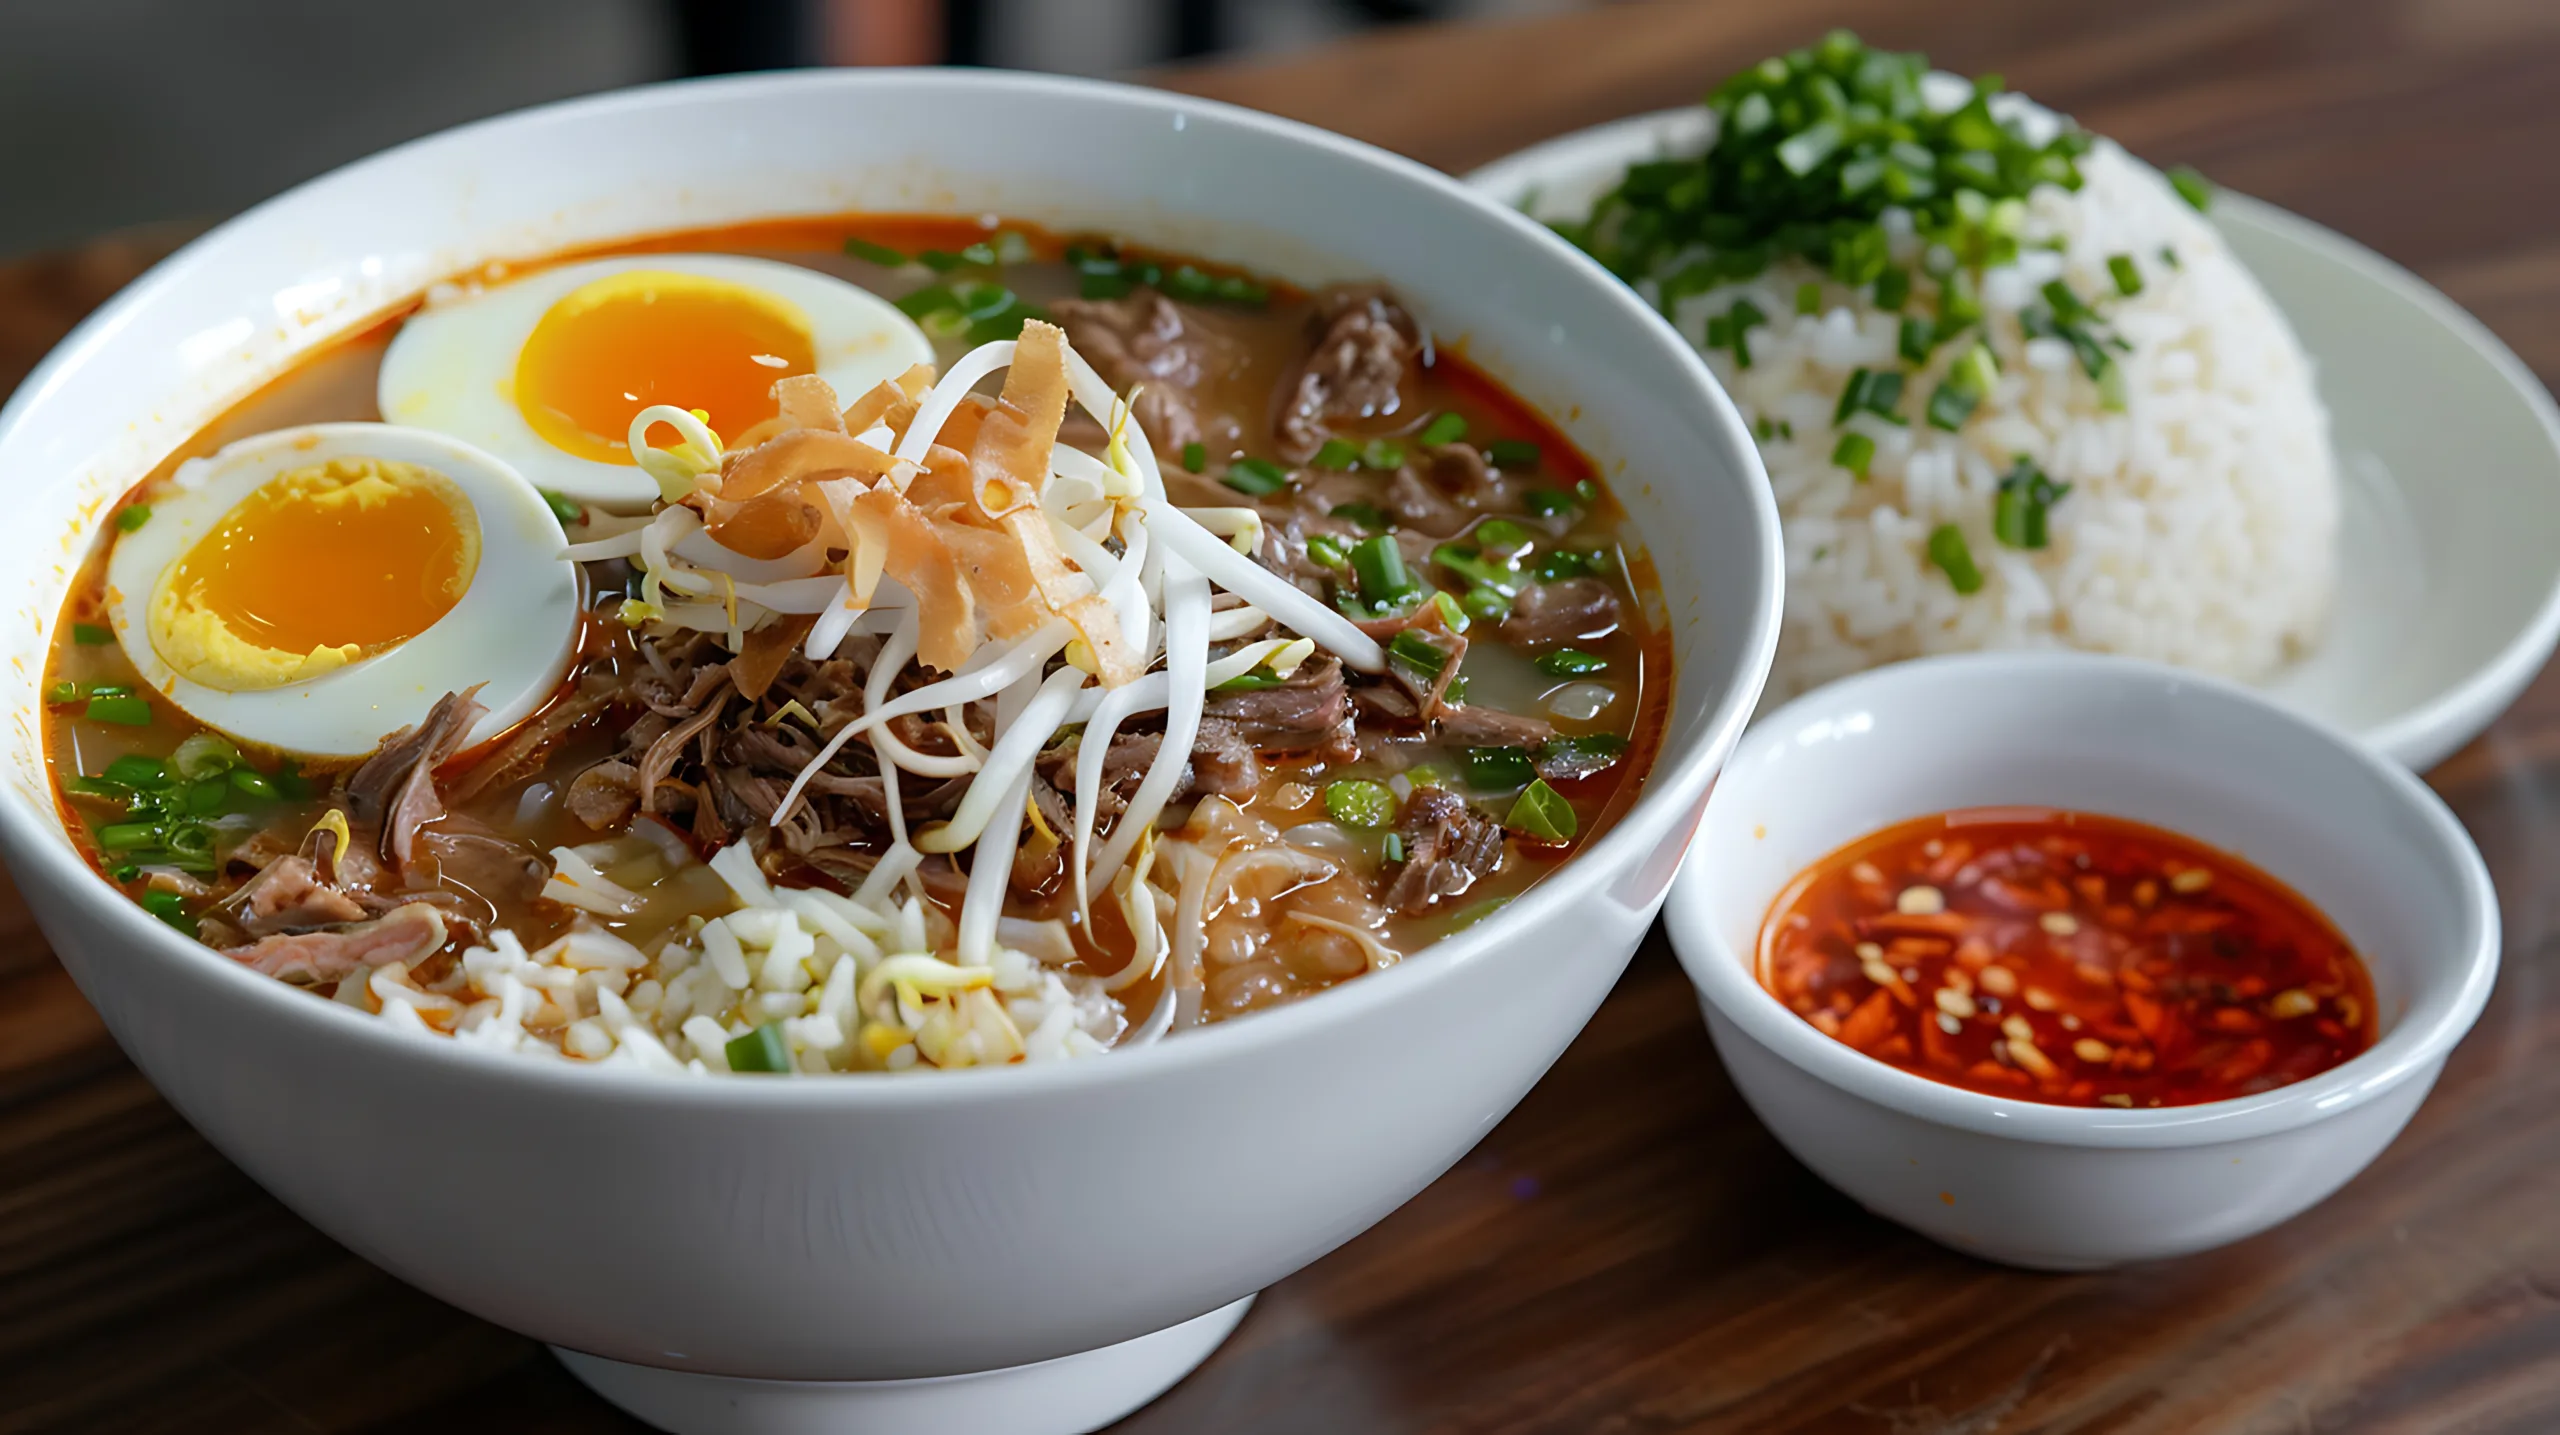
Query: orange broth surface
x=2068, y=958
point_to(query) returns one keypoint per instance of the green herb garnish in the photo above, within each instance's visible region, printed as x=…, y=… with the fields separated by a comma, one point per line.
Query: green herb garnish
x=132, y=516
x=1549, y=502
x=1854, y=452
x=1873, y=391
x=2025, y=496
x=1377, y=566
x=1542, y=812
x=1499, y=769
x=1517, y=454
x=1809, y=297
x=563, y=508
x=1337, y=455
x=1370, y=517
x=2192, y=187
x=1328, y=550
x=1195, y=456
x=2128, y=279
x=762, y=1050
x=880, y=254
x=1954, y=557
x=1255, y=477
x=121, y=711
x=1571, y=663
x=92, y=635
x=1359, y=802
x=1446, y=428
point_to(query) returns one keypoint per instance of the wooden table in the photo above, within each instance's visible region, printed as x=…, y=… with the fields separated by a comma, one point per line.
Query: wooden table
x=1630, y=1252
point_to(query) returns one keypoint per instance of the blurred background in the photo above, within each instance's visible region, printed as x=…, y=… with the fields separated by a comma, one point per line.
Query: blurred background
x=116, y=113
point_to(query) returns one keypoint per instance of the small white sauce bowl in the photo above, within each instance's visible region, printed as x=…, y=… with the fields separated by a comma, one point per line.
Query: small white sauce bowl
x=2065, y=1187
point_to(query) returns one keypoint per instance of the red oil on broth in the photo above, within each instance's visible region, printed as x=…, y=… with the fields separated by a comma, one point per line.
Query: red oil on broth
x=2067, y=958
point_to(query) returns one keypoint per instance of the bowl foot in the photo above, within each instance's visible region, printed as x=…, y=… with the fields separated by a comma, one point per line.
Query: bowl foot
x=1066, y=1396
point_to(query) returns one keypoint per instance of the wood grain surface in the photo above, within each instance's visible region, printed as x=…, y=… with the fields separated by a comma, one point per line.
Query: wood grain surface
x=1629, y=1252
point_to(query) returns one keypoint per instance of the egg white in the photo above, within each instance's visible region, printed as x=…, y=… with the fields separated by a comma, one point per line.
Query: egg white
x=514, y=630
x=452, y=366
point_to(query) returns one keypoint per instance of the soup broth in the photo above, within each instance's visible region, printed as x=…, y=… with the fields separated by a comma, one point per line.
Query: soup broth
x=1328, y=819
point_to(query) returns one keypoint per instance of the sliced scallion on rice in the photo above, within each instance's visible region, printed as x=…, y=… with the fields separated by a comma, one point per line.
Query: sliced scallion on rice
x=1854, y=452
x=1954, y=557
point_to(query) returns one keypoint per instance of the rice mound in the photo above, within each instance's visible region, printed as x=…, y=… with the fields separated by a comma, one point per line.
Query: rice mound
x=2201, y=524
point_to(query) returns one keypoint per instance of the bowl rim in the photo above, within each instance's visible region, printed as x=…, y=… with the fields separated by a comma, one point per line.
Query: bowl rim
x=2450, y=995
x=2424, y=732
x=39, y=858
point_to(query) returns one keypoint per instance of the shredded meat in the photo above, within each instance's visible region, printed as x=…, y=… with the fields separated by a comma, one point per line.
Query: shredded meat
x=1365, y=344
x=288, y=895
x=605, y=795
x=1561, y=611
x=395, y=789
x=1478, y=726
x=1172, y=353
x=1569, y=762
x=1419, y=505
x=1449, y=847
x=404, y=934
x=1222, y=764
x=1308, y=712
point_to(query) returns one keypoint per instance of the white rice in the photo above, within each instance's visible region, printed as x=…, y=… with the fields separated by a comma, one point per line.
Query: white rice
x=805, y=959
x=2201, y=524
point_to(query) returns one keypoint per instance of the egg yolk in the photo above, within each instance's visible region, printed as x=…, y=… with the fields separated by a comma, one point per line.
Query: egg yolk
x=616, y=346
x=313, y=570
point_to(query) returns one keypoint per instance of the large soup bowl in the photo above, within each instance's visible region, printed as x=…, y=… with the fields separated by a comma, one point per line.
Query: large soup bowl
x=788, y=1254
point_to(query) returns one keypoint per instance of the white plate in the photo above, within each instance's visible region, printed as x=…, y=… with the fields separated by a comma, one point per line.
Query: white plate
x=2449, y=450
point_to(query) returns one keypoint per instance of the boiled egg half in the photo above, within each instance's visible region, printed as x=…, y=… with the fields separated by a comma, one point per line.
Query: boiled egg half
x=547, y=371
x=314, y=589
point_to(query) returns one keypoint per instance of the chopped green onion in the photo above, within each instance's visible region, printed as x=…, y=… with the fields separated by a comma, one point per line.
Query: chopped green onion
x=1392, y=849
x=1587, y=489
x=562, y=508
x=1447, y=428
x=1954, y=557
x=2192, y=187
x=880, y=254
x=1917, y=338
x=1236, y=289
x=62, y=694
x=1328, y=550
x=123, y=712
x=1571, y=663
x=1255, y=477
x=1105, y=286
x=1854, y=452
x=133, y=516
x=1542, y=813
x=1485, y=604
x=1893, y=288
x=941, y=261
x=929, y=300
x=1549, y=502
x=111, y=690
x=1377, y=565
x=1950, y=406
x=761, y=1050
x=2018, y=511
x=1359, y=802
x=204, y=754
x=1370, y=517
x=169, y=907
x=1188, y=283
x=82, y=785
x=1514, y=453
x=1499, y=769
x=137, y=772
x=92, y=635
x=289, y=781
x=126, y=836
x=1417, y=652
x=1735, y=330
x=1563, y=563
x=1452, y=616
x=1456, y=692
x=1958, y=304
x=2128, y=278
x=1809, y=297
x=205, y=796
x=1385, y=455
x=1195, y=456
x=1874, y=391
x=1475, y=912
x=1977, y=372
x=254, y=783
x=2169, y=257
x=1247, y=683
x=1337, y=455
x=1503, y=536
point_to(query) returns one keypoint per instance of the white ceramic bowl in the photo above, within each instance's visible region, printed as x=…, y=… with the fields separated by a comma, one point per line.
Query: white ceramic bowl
x=2067, y=1187
x=883, y=1230
x=2448, y=451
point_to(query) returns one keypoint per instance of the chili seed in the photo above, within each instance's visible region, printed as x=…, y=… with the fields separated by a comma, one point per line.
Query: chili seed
x=1947, y=1023
x=2093, y=1051
x=2292, y=1002
x=1954, y=1003
x=2117, y=1098
x=2034, y=1061
x=2060, y=924
x=2016, y=1029
x=1998, y=980
x=1868, y=952
x=2040, y=999
x=1921, y=901
x=1868, y=873
x=2190, y=880
x=2070, y=1022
